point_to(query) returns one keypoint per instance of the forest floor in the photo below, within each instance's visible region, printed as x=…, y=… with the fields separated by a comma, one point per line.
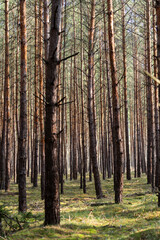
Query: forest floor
x=138, y=217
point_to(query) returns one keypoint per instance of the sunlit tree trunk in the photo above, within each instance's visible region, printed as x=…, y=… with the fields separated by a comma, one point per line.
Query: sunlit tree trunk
x=35, y=179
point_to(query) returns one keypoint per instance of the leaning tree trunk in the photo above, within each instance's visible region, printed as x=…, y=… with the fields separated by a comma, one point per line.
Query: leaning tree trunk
x=52, y=205
x=22, y=141
x=117, y=140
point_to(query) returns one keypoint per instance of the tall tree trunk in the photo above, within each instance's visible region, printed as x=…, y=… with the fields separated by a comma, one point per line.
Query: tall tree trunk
x=35, y=183
x=46, y=44
x=117, y=141
x=75, y=164
x=149, y=101
x=125, y=95
x=7, y=99
x=62, y=107
x=110, y=119
x=52, y=205
x=102, y=113
x=91, y=106
x=17, y=88
x=22, y=141
x=41, y=103
x=156, y=97
x=71, y=125
x=84, y=157
x=158, y=64
x=3, y=139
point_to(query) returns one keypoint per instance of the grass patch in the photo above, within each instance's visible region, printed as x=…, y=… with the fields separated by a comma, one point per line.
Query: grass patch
x=85, y=217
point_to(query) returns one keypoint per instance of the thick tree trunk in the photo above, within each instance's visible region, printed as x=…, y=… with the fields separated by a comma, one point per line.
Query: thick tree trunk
x=52, y=205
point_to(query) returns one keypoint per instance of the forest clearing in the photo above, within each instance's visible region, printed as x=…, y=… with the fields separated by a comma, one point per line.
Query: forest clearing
x=83, y=216
x=80, y=119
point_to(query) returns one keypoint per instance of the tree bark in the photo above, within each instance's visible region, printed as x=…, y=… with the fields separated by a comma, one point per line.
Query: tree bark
x=35, y=179
x=41, y=103
x=91, y=105
x=125, y=95
x=117, y=140
x=158, y=64
x=22, y=141
x=52, y=205
x=7, y=100
x=149, y=101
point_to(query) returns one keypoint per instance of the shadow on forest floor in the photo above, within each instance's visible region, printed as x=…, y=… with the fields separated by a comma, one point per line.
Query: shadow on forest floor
x=85, y=217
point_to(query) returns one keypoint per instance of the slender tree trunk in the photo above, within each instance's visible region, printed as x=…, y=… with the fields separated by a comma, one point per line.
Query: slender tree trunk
x=46, y=45
x=29, y=114
x=2, y=146
x=102, y=133
x=62, y=107
x=7, y=100
x=125, y=95
x=41, y=103
x=17, y=90
x=110, y=118
x=156, y=97
x=149, y=101
x=75, y=167
x=71, y=125
x=158, y=64
x=91, y=105
x=35, y=183
x=117, y=141
x=22, y=141
x=84, y=157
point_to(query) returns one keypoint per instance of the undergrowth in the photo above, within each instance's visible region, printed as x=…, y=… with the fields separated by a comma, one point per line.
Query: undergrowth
x=85, y=217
